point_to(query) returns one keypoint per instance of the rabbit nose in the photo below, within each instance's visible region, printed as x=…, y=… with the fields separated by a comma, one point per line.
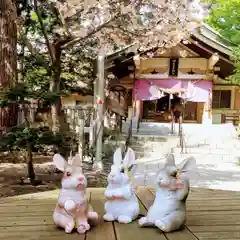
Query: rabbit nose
x=80, y=178
x=112, y=175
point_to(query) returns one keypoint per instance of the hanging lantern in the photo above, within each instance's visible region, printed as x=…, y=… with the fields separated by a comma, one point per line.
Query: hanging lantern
x=99, y=101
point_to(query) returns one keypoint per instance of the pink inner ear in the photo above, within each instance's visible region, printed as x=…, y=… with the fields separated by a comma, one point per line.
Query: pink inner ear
x=77, y=161
x=59, y=162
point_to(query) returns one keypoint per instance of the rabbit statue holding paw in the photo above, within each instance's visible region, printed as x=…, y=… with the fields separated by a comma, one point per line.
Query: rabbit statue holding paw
x=168, y=211
x=72, y=209
x=122, y=204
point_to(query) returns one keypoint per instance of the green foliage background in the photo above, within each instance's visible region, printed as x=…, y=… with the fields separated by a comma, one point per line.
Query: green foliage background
x=225, y=18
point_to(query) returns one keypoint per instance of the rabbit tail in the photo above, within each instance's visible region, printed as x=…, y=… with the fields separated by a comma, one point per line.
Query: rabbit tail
x=92, y=217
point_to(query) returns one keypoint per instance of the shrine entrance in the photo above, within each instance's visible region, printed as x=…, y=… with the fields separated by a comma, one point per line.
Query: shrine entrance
x=190, y=112
x=160, y=111
x=155, y=96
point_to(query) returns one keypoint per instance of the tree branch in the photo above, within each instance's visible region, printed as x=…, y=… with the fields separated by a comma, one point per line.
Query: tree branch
x=78, y=39
x=35, y=52
x=51, y=52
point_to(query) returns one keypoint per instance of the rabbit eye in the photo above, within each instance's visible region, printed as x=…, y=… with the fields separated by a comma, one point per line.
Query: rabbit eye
x=68, y=174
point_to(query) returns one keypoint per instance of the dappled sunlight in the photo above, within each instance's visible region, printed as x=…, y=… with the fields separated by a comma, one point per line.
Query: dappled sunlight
x=40, y=196
x=223, y=184
x=60, y=63
x=204, y=177
x=216, y=149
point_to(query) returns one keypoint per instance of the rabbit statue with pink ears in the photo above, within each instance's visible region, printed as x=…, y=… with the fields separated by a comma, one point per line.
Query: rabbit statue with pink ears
x=168, y=211
x=72, y=209
x=122, y=204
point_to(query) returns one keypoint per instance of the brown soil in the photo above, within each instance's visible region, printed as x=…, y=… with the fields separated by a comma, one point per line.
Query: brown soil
x=13, y=169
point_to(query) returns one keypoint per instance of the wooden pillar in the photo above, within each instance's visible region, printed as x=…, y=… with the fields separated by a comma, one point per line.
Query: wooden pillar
x=200, y=108
x=130, y=113
x=138, y=109
x=100, y=109
x=80, y=127
x=207, y=110
x=137, y=113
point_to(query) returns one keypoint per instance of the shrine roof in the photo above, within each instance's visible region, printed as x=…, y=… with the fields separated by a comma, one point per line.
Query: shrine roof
x=204, y=41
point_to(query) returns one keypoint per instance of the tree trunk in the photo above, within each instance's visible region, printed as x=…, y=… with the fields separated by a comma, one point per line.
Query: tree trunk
x=55, y=88
x=31, y=173
x=8, y=58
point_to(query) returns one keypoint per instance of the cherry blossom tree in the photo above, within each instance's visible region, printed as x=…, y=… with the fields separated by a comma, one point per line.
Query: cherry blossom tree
x=161, y=23
x=60, y=28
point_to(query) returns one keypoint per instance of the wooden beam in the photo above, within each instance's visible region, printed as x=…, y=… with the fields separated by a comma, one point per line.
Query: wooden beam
x=213, y=60
x=165, y=76
x=209, y=51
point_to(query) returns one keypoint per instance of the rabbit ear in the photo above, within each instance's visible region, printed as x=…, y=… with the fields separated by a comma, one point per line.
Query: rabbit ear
x=129, y=158
x=170, y=160
x=117, y=157
x=188, y=164
x=59, y=162
x=77, y=160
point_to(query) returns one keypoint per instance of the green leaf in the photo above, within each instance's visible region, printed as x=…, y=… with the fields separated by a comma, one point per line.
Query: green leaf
x=34, y=16
x=225, y=18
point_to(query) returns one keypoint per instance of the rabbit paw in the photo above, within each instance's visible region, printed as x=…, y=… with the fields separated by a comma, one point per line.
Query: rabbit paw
x=83, y=227
x=161, y=225
x=69, y=227
x=70, y=205
x=108, y=194
x=142, y=221
x=118, y=197
x=108, y=217
x=124, y=219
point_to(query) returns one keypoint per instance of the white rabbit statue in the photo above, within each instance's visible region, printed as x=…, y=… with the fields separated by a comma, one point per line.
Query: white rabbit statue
x=168, y=211
x=122, y=204
x=72, y=209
